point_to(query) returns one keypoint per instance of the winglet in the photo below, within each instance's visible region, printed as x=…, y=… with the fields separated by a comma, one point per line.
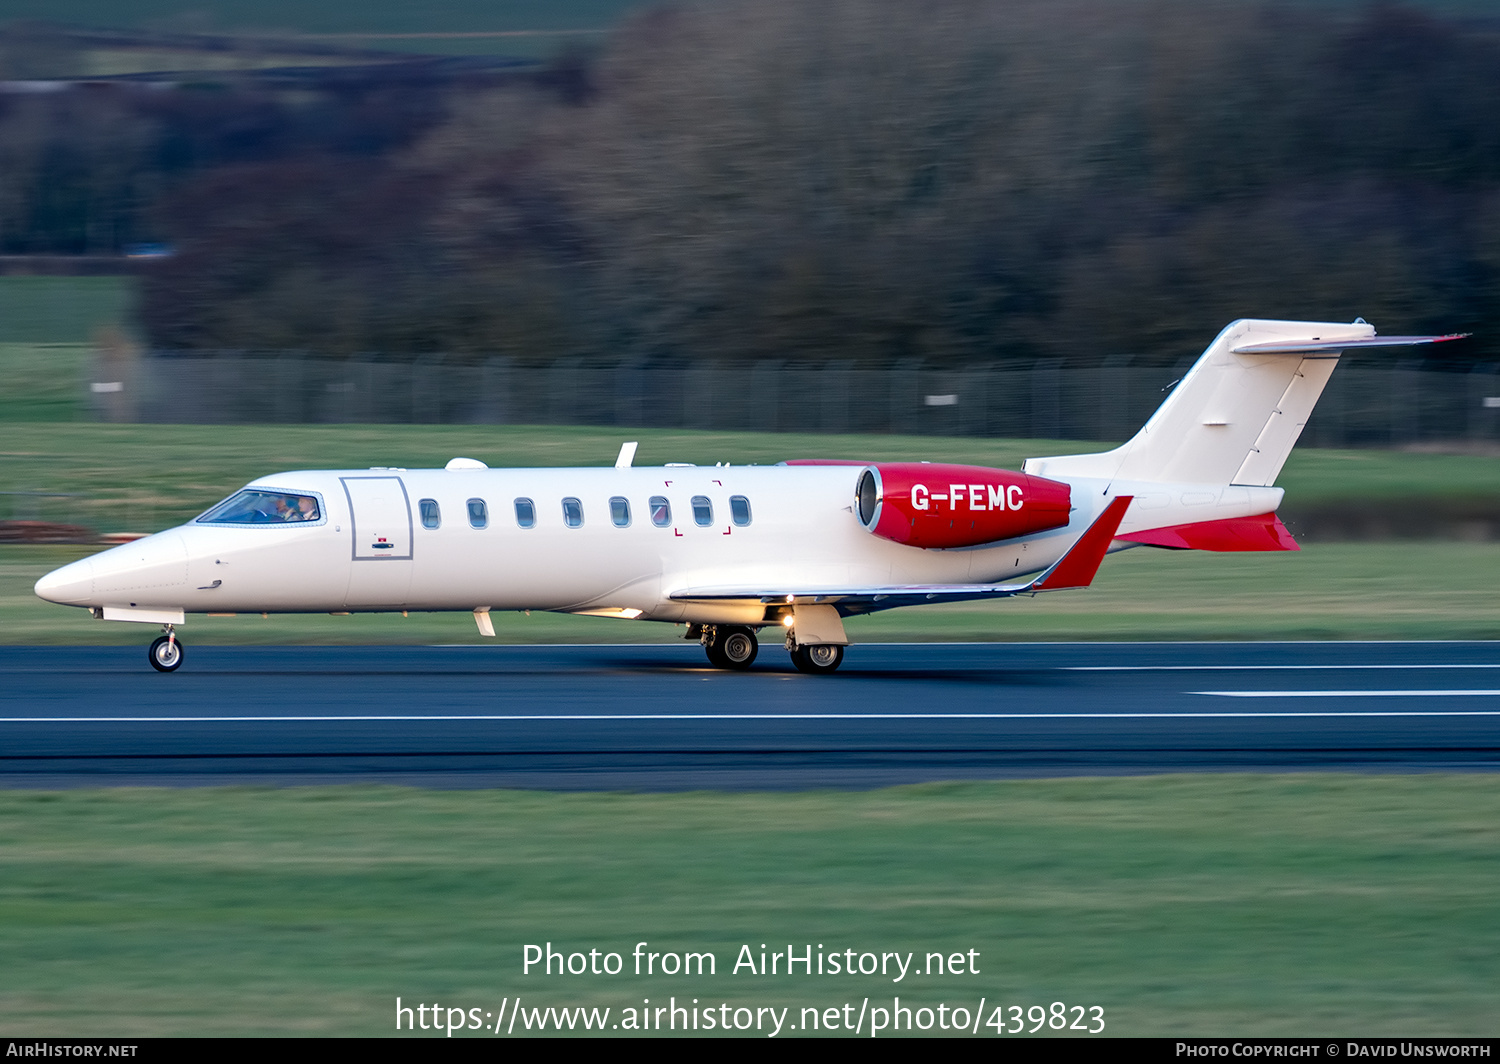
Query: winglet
x=1077, y=567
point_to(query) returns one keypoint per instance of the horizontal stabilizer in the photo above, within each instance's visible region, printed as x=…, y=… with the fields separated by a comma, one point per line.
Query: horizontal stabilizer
x=1261, y=532
x=1314, y=345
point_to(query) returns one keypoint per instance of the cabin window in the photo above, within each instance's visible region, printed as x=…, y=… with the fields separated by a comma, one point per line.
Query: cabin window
x=525, y=513
x=432, y=517
x=739, y=509
x=703, y=511
x=619, y=512
x=661, y=511
x=572, y=513
x=263, y=508
x=479, y=513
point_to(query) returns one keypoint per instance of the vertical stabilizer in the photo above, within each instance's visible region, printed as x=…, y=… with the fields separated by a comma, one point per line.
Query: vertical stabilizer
x=1236, y=415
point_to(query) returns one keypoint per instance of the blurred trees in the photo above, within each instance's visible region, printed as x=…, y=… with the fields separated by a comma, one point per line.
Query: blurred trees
x=955, y=180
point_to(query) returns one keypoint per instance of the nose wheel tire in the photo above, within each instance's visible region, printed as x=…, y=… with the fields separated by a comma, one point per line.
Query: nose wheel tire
x=818, y=659
x=732, y=647
x=165, y=654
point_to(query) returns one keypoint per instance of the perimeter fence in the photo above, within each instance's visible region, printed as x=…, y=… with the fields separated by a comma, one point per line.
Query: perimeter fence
x=1367, y=404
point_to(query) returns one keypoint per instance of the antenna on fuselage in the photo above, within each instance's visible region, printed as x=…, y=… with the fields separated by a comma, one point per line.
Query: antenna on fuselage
x=627, y=455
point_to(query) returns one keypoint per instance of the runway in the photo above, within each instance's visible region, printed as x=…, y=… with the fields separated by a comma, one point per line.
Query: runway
x=657, y=717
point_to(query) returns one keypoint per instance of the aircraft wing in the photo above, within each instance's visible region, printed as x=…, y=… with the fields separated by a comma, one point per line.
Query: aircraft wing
x=1074, y=569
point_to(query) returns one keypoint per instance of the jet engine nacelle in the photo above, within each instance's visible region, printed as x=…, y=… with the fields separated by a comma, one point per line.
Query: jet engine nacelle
x=936, y=506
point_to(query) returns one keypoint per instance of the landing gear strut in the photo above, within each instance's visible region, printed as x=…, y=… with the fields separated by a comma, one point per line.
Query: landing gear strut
x=165, y=654
x=730, y=646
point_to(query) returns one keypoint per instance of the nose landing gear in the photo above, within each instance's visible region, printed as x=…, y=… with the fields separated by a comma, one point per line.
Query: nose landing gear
x=165, y=654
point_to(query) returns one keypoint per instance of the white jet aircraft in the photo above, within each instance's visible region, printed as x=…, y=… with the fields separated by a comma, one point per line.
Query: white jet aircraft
x=731, y=550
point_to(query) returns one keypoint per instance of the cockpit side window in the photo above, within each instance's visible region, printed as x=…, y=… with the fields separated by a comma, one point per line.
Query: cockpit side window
x=255, y=506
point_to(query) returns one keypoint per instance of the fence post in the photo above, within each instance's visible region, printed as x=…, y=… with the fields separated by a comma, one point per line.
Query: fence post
x=765, y=394
x=1046, y=406
x=906, y=397
x=834, y=384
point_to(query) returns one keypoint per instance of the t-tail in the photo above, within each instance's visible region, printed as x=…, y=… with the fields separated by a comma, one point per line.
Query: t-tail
x=1202, y=468
x=1236, y=415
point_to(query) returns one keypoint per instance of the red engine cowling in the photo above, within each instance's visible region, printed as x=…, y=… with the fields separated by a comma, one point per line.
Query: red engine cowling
x=936, y=506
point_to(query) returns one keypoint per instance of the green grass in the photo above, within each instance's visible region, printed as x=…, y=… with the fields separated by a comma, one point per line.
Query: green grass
x=44, y=383
x=1209, y=905
x=393, y=16
x=62, y=310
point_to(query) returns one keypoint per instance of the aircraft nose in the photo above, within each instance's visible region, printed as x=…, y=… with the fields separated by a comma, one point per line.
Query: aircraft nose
x=70, y=585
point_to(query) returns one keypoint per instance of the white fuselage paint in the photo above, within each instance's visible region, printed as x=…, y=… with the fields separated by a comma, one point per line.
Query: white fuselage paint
x=803, y=532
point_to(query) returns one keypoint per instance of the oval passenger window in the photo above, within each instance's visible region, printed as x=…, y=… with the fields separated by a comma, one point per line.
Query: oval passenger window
x=431, y=515
x=619, y=511
x=703, y=511
x=739, y=509
x=479, y=513
x=572, y=512
x=525, y=513
x=661, y=511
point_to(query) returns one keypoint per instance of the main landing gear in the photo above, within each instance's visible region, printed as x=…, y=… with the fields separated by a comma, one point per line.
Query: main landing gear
x=730, y=646
x=818, y=659
x=165, y=654
x=735, y=647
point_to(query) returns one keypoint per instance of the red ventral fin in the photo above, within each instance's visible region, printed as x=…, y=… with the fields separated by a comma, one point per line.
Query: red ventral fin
x=1077, y=567
x=1261, y=532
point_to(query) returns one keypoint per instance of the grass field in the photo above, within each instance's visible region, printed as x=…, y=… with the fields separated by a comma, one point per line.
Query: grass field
x=393, y=16
x=1224, y=905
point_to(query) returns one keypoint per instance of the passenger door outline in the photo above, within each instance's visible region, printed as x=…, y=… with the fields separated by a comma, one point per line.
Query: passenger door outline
x=372, y=518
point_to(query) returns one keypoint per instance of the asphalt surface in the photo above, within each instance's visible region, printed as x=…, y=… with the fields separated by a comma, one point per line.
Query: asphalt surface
x=657, y=717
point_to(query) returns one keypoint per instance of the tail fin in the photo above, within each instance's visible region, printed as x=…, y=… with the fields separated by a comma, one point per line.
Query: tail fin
x=1235, y=416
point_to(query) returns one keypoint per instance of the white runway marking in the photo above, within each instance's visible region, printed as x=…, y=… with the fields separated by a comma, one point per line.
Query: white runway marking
x=1253, y=668
x=1440, y=693
x=417, y=717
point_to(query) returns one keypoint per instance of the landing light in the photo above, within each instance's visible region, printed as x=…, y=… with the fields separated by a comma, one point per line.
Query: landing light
x=787, y=619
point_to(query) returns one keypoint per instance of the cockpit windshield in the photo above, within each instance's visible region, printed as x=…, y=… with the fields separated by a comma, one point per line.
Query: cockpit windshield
x=252, y=507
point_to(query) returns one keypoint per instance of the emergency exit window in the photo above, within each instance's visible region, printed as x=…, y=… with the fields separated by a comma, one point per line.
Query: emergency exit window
x=739, y=510
x=432, y=517
x=703, y=511
x=661, y=511
x=525, y=513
